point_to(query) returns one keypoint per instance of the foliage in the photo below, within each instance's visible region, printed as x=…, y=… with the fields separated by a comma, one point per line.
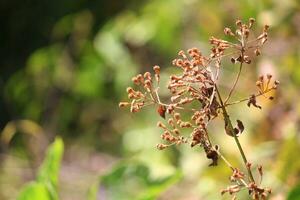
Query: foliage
x=118, y=183
x=294, y=194
x=45, y=186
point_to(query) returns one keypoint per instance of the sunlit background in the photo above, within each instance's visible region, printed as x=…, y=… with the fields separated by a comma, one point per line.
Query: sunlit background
x=65, y=65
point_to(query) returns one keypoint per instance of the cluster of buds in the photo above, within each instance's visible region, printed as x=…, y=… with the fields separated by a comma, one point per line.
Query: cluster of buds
x=233, y=189
x=258, y=193
x=237, y=177
x=171, y=131
x=245, y=43
x=264, y=86
x=147, y=93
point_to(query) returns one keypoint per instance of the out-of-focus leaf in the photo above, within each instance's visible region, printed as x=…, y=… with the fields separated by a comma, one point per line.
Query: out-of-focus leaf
x=93, y=191
x=24, y=126
x=294, y=194
x=45, y=187
x=156, y=188
x=48, y=172
x=90, y=74
x=109, y=45
x=34, y=191
x=287, y=165
x=132, y=181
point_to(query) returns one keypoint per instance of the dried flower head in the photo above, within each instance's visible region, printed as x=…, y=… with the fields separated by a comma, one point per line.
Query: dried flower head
x=197, y=84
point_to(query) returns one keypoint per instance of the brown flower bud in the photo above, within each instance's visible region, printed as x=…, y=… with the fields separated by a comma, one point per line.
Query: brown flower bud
x=176, y=131
x=161, y=125
x=228, y=31
x=257, y=52
x=156, y=69
x=129, y=90
x=147, y=85
x=269, y=76
x=247, y=61
x=147, y=75
x=258, y=84
x=134, y=109
x=131, y=96
x=177, y=116
x=135, y=80
x=251, y=22
x=123, y=104
x=238, y=22
x=266, y=28
x=161, y=146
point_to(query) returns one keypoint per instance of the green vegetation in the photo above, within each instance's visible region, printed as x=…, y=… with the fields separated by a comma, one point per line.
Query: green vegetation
x=46, y=184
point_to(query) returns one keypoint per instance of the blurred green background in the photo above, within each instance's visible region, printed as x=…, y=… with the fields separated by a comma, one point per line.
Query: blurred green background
x=65, y=65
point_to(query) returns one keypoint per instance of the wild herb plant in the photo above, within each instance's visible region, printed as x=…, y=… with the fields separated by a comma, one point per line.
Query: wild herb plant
x=198, y=82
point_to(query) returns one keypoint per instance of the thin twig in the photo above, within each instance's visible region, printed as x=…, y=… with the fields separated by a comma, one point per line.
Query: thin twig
x=234, y=84
x=247, y=99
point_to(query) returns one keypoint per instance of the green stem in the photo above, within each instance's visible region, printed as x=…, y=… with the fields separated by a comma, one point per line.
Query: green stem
x=229, y=127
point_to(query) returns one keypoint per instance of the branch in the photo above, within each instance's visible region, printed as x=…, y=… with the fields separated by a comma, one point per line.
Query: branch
x=229, y=128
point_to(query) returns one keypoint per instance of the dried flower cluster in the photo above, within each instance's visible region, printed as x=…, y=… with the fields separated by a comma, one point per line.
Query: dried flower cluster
x=195, y=90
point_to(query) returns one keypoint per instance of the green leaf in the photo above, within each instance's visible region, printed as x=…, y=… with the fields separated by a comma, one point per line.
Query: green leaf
x=294, y=194
x=93, y=191
x=45, y=187
x=156, y=188
x=34, y=191
x=48, y=172
x=131, y=180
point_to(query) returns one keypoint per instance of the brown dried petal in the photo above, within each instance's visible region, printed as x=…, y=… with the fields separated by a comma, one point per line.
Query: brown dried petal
x=213, y=155
x=162, y=111
x=240, y=126
x=252, y=101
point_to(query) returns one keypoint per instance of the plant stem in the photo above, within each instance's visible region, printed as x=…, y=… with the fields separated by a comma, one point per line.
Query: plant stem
x=230, y=166
x=229, y=128
x=234, y=84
